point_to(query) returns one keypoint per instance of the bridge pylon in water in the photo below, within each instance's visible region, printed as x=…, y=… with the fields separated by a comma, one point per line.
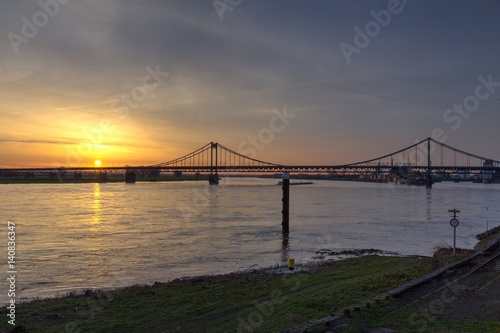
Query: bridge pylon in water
x=428, y=177
x=213, y=178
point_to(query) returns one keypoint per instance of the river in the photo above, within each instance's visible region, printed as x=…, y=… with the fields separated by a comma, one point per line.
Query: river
x=80, y=236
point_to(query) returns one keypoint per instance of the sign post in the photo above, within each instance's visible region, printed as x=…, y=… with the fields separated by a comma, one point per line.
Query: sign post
x=454, y=223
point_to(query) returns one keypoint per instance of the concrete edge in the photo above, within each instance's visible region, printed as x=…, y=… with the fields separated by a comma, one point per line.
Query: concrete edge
x=346, y=312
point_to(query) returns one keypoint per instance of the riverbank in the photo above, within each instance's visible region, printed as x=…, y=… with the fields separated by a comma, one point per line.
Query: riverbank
x=462, y=296
x=452, y=303
x=264, y=300
x=267, y=300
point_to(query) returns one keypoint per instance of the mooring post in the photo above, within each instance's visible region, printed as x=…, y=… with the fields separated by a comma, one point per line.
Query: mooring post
x=286, y=202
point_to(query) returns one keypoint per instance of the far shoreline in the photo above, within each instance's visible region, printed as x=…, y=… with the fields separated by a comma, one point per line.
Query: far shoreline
x=94, y=178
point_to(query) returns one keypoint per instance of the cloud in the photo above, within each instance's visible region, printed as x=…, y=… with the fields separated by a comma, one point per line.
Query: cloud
x=64, y=142
x=226, y=77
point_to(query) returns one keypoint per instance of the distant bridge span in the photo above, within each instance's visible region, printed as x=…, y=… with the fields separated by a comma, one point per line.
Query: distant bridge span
x=214, y=158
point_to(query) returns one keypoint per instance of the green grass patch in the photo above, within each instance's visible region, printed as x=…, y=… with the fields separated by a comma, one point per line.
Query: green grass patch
x=250, y=301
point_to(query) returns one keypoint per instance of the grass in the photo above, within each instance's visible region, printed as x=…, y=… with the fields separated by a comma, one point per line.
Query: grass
x=413, y=317
x=444, y=256
x=249, y=301
x=408, y=319
x=487, y=237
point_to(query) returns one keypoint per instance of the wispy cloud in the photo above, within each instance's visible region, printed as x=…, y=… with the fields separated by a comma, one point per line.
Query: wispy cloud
x=226, y=77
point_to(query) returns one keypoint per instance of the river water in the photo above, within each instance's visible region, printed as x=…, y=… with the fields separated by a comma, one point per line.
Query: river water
x=80, y=236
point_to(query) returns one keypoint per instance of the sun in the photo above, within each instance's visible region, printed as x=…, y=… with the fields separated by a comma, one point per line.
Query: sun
x=97, y=163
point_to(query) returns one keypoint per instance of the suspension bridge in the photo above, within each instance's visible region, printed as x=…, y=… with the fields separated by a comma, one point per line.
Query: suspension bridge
x=421, y=163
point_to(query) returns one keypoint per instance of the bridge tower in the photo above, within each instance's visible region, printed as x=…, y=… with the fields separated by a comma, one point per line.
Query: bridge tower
x=428, y=177
x=213, y=178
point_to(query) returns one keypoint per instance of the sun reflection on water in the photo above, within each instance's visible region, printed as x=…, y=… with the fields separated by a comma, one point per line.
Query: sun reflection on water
x=96, y=207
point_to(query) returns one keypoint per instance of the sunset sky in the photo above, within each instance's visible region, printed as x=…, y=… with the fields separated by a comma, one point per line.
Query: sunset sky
x=143, y=82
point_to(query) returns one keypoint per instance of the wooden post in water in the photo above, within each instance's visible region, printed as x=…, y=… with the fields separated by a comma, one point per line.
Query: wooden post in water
x=286, y=202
